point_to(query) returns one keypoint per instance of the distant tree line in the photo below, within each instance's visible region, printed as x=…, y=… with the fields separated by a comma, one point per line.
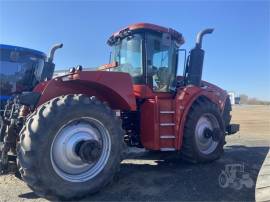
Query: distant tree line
x=244, y=99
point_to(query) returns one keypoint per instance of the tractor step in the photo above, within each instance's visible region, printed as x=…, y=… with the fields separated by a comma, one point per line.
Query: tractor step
x=167, y=112
x=167, y=124
x=167, y=149
x=167, y=137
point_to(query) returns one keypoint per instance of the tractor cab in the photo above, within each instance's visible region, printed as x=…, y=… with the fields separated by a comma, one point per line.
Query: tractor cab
x=21, y=69
x=149, y=53
x=18, y=67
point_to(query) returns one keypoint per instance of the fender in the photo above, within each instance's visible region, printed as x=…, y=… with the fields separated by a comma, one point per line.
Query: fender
x=115, y=88
x=185, y=99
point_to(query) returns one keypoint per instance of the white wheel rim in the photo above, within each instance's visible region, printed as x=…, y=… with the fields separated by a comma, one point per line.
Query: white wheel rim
x=66, y=163
x=206, y=145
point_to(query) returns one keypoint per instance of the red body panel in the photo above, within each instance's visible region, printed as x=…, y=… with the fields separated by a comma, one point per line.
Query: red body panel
x=184, y=100
x=112, y=87
x=153, y=135
x=116, y=89
x=149, y=131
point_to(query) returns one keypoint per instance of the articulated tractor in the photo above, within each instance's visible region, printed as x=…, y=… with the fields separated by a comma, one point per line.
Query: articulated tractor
x=66, y=136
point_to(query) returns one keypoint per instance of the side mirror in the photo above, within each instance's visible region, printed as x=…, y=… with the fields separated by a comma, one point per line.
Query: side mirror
x=110, y=57
x=181, y=62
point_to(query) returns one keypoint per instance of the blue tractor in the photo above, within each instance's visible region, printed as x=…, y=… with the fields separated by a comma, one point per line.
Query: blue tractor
x=21, y=69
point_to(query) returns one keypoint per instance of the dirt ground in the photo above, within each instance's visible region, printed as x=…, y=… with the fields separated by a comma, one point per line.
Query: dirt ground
x=148, y=176
x=253, y=119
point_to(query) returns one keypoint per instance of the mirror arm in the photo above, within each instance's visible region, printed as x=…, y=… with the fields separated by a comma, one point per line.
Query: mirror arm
x=185, y=59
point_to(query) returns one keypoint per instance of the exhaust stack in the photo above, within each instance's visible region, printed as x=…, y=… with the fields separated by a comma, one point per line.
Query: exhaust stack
x=200, y=36
x=52, y=51
x=193, y=71
x=46, y=72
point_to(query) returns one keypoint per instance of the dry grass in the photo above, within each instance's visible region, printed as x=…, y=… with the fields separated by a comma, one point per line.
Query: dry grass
x=253, y=119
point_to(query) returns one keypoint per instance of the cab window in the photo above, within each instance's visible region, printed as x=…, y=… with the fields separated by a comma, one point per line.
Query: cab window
x=160, y=65
x=128, y=54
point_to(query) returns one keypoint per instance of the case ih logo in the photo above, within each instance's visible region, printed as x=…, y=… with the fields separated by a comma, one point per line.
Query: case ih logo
x=234, y=176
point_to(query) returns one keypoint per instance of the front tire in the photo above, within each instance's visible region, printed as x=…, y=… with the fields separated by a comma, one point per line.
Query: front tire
x=204, y=135
x=50, y=155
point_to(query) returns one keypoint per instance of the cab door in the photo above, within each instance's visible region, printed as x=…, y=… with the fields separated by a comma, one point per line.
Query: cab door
x=158, y=112
x=161, y=57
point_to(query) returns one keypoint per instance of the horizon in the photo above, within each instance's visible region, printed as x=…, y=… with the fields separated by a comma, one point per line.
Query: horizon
x=236, y=54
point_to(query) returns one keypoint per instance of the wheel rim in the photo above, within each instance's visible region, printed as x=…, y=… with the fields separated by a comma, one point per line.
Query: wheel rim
x=66, y=162
x=206, y=145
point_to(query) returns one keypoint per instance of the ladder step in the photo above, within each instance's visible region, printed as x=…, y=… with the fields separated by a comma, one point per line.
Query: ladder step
x=167, y=112
x=167, y=124
x=167, y=149
x=167, y=137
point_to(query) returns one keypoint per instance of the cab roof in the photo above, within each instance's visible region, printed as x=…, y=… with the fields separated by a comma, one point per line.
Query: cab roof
x=148, y=26
x=5, y=47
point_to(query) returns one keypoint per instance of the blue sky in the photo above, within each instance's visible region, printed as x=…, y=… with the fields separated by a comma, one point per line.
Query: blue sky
x=237, y=53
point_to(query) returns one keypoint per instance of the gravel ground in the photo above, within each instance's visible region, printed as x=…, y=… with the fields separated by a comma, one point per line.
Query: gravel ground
x=150, y=176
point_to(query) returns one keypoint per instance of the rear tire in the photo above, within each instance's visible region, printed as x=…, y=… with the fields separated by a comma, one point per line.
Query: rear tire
x=197, y=147
x=56, y=175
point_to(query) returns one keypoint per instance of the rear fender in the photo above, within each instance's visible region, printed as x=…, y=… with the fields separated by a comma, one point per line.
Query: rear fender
x=185, y=99
x=113, y=88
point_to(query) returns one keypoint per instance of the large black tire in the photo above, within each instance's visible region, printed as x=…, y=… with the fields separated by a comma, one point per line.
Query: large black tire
x=190, y=151
x=34, y=152
x=2, y=129
x=226, y=113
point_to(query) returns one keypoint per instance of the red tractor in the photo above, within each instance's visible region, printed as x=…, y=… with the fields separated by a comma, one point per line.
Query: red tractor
x=74, y=128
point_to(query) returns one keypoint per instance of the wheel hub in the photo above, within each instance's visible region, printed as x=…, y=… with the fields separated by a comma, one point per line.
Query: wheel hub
x=214, y=134
x=89, y=151
x=207, y=133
